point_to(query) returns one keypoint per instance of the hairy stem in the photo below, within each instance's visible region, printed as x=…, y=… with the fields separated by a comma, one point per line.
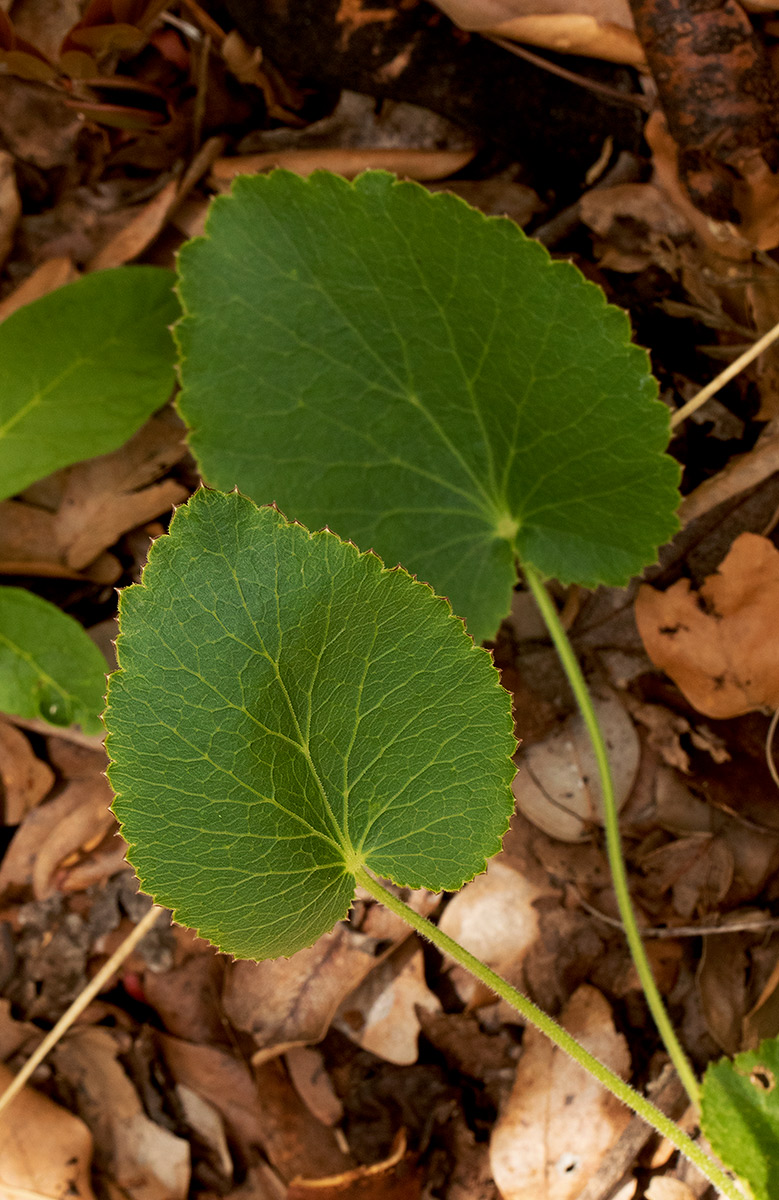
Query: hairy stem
x=561, y=1038
x=613, y=842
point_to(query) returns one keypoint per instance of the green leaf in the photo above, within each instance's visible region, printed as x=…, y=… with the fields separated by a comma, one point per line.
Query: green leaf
x=424, y=380
x=287, y=710
x=81, y=370
x=740, y=1116
x=49, y=667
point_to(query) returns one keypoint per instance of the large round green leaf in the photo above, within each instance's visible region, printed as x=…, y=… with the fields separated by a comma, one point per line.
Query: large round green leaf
x=49, y=667
x=424, y=380
x=81, y=369
x=286, y=711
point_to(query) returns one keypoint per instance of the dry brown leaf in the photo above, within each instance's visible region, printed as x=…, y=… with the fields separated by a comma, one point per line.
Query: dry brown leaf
x=45, y=23
x=762, y=1020
x=187, y=997
x=494, y=916
x=698, y=871
x=81, y=829
x=639, y=225
x=37, y=828
x=294, y=1142
x=15, y=1035
x=499, y=196
x=762, y=292
x=44, y=1150
x=348, y=161
x=260, y=1109
x=381, y=1014
x=146, y=225
x=25, y=779
x=287, y=1002
x=721, y=981
x=599, y=28
x=96, y=502
x=107, y=496
x=10, y=204
x=139, y=232
x=306, y=1068
x=28, y=542
x=73, y=760
x=206, y=1122
x=49, y=276
x=35, y=126
x=719, y=646
x=223, y=1080
x=144, y=1160
x=663, y=1187
x=559, y=1122
x=721, y=239
x=261, y=1183
x=742, y=472
x=557, y=786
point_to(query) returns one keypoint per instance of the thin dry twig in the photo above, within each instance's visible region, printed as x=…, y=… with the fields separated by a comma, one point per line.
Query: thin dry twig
x=725, y=376
x=592, y=85
x=673, y=931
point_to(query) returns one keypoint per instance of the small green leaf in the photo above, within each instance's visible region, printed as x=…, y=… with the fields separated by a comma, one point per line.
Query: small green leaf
x=49, y=667
x=288, y=710
x=81, y=369
x=740, y=1116
x=424, y=380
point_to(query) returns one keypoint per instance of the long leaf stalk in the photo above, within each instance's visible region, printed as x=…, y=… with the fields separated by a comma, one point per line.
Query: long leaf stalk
x=613, y=841
x=710, y=1169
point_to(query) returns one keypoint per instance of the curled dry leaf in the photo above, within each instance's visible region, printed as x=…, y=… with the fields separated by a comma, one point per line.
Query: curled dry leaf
x=559, y=1122
x=44, y=1150
x=558, y=786
x=52, y=832
x=719, y=645
x=396, y=1177
x=599, y=28
x=347, y=161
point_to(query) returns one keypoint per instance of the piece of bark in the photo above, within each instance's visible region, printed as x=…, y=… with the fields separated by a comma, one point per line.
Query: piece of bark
x=408, y=50
x=720, y=98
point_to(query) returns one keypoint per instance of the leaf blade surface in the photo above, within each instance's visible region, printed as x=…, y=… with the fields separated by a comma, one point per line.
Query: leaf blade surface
x=425, y=381
x=49, y=667
x=740, y=1115
x=81, y=369
x=287, y=709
